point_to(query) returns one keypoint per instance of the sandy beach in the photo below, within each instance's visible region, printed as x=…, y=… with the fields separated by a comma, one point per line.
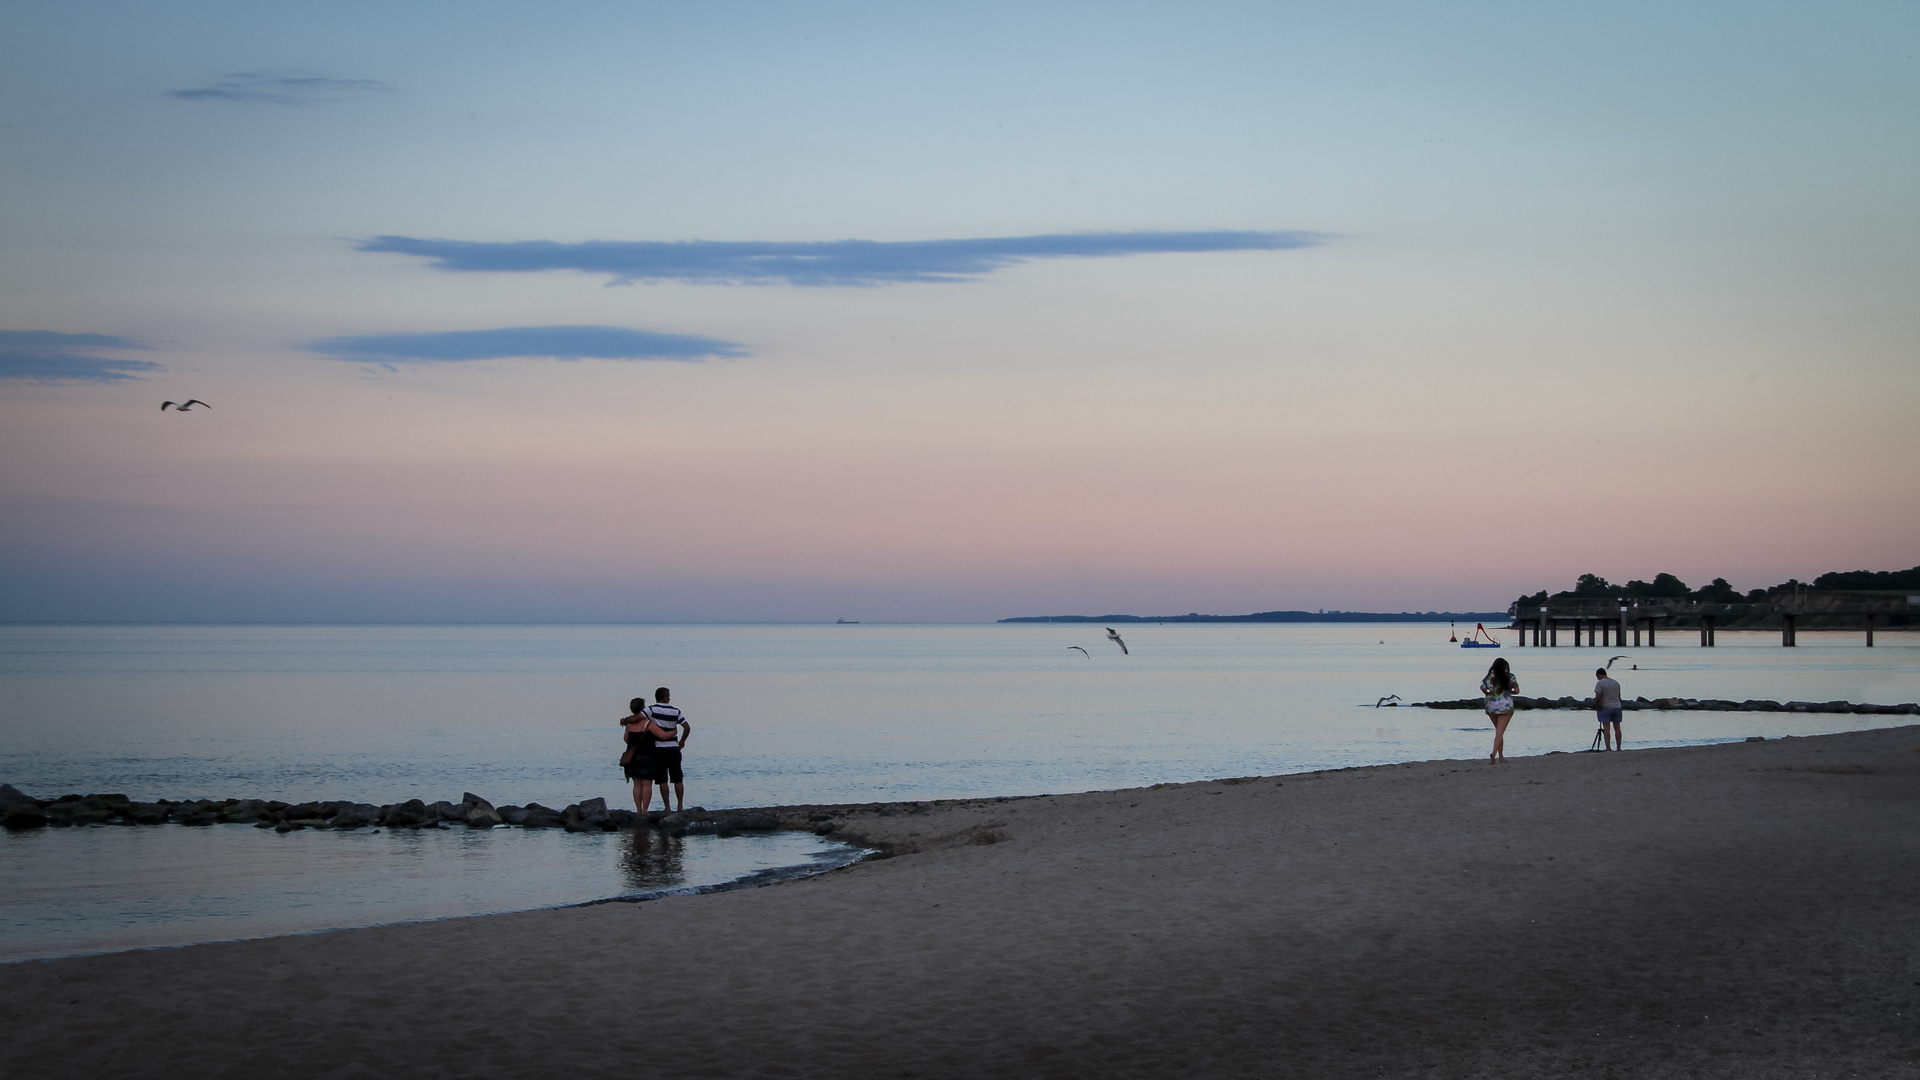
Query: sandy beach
x=1743, y=910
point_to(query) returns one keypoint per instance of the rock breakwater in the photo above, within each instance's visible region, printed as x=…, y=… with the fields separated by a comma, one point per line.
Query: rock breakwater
x=1685, y=704
x=21, y=811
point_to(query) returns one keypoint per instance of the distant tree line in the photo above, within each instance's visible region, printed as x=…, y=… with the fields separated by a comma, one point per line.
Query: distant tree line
x=1669, y=587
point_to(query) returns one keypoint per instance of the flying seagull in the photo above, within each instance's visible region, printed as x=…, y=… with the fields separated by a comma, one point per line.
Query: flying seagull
x=1611, y=659
x=184, y=406
x=1115, y=638
x=1392, y=697
x=1083, y=652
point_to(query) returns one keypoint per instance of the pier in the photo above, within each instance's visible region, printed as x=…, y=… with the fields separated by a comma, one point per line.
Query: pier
x=1610, y=623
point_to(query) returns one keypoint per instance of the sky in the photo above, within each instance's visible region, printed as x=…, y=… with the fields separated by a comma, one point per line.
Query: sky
x=649, y=312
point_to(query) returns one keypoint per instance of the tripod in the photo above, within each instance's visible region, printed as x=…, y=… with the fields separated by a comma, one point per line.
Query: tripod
x=1598, y=737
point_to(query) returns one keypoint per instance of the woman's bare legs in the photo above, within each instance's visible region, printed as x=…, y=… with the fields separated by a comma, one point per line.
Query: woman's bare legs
x=642, y=795
x=1500, y=723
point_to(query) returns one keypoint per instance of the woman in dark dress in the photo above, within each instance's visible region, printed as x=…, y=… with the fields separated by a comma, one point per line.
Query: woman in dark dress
x=637, y=762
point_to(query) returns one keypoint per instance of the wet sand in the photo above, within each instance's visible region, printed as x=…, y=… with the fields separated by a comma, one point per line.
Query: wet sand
x=1744, y=910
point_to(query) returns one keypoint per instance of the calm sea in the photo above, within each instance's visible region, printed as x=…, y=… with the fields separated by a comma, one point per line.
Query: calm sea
x=781, y=714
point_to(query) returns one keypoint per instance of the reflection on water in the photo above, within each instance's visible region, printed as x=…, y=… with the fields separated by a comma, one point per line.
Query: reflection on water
x=106, y=888
x=651, y=860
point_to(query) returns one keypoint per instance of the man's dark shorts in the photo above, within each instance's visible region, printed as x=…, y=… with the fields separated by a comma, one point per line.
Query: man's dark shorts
x=666, y=765
x=1607, y=716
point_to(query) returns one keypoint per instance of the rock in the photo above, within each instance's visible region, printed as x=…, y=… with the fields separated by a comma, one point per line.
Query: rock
x=586, y=816
x=446, y=811
x=512, y=815
x=535, y=816
x=63, y=814
x=11, y=796
x=308, y=810
x=243, y=811
x=824, y=828
x=28, y=815
x=410, y=814
x=112, y=804
x=1756, y=738
x=751, y=821
x=623, y=819
x=146, y=813
x=356, y=816
x=478, y=812
x=194, y=816
x=288, y=826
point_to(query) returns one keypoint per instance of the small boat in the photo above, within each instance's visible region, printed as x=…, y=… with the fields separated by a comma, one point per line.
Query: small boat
x=1472, y=641
x=846, y=622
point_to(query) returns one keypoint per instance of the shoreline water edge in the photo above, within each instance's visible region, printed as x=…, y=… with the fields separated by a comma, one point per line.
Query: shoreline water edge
x=1725, y=910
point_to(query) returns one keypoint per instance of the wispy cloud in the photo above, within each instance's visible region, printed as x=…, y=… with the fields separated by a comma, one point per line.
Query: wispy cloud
x=282, y=87
x=828, y=262
x=558, y=342
x=49, y=356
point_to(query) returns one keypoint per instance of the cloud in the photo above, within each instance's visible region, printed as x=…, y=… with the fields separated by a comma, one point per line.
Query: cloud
x=558, y=342
x=49, y=356
x=284, y=87
x=829, y=262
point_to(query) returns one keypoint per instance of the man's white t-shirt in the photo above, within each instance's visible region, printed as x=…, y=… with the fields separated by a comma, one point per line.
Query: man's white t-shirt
x=1606, y=694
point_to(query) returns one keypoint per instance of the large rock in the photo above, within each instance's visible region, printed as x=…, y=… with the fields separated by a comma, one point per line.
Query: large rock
x=11, y=796
x=693, y=820
x=114, y=805
x=146, y=813
x=535, y=816
x=478, y=812
x=356, y=816
x=586, y=816
x=407, y=815
x=26, y=815
x=446, y=811
x=751, y=820
x=239, y=811
x=67, y=812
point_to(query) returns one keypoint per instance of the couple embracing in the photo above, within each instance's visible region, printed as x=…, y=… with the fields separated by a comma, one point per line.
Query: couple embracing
x=655, y=734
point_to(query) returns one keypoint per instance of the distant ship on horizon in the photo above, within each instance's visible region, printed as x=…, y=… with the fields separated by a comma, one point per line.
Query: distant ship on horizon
x=846, y=622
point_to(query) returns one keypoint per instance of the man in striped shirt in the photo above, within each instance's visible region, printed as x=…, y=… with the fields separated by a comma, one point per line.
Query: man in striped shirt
x=666, y=752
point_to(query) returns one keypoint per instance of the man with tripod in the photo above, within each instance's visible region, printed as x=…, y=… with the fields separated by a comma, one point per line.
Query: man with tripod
x=1606, y=702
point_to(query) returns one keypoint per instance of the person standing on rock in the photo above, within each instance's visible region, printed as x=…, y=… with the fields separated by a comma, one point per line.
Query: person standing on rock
x=1499, y=687
x=671, y=730
x=637, y=761
x=1606, y=703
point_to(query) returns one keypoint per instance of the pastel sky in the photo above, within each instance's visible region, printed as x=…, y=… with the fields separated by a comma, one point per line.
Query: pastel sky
x=902, y=312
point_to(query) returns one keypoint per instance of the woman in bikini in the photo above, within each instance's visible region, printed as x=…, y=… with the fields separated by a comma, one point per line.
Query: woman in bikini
x=1499, y=687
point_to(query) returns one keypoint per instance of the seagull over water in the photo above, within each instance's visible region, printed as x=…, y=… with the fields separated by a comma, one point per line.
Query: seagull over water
x=184, y=405
x=1392, y=697
x=1611, y=659
x=1115, y=638
x=1083, y=652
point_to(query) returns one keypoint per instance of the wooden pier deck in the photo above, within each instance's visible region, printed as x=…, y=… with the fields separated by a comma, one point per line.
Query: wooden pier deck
x=1610, y=623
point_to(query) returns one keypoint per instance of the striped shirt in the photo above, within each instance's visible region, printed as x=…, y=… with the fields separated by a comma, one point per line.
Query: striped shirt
x=669, y=719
